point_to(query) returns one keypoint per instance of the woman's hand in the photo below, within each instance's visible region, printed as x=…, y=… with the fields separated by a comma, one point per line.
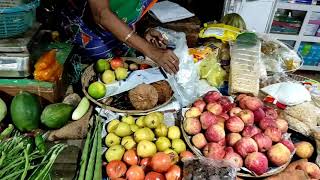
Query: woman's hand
x=156, y=38
x=167, y=60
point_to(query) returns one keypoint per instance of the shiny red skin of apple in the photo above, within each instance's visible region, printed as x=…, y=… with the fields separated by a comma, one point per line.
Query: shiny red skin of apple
x=288, y=144
x=251, y=130
x=200, y=104
x=247, y=117
x=199, y=140
x=263, y=141
x=257, y=162
x=215, y=133
x=270, y=112
x=207, y=119
x=245, y=146
x=234, y=124
x=214, y=151
x=259, y=115
x=192, y=126
x=212, y=96
x=233, y=138
x=215, y=108
x=234, y=158
x=267, y=122
x=274, y=133
x=253, y=103
x=226, y=104
x=234, y=111
x=116, y=63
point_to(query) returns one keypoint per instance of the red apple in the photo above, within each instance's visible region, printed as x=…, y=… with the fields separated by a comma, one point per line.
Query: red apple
x=288, y=144
x=274, y=134
x=257, y=163
x=212, y=96
x=233, y=138
x=282, y=125
x=234, y=158
x=207, y=119
x=251, y=130
x=193, y=112
x=226, y=104
x=243, y=102
x=215, y=133
x=246, y=146
x=247, y=117
x=259, y=115
x=253, y=103
x=214, y=151
x=228, y=149
x=186, y=155
x=200, y=104
x=263, y=141
x=267, y=122
x=221, y=121
x=234, y=124
x=240, y=96
x=215, y=108
x=270, y=112
x=224, y=116
x=234, y=111
x=279, y=154
x=199, y=141
x=116, y=62
x=222, y=142
x=192, y=126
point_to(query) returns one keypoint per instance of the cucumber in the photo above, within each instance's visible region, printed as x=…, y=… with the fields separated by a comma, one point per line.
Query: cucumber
x=81, y=110
x=3, y=110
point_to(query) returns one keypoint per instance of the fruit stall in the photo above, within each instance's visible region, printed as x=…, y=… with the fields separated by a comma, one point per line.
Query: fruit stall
x=236, y=109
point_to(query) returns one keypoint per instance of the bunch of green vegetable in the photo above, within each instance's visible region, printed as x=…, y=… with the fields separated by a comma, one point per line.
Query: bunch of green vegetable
x=26, y=158
x=91, y=159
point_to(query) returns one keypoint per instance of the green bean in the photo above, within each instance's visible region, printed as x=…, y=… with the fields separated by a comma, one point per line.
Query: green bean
x=84, y=157
x=40, y=144
x=27, y=164
x=6, y=132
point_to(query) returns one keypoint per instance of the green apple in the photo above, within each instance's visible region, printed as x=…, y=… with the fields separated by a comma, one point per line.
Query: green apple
x=152, y=120
x=108, y=77
x=115, y=153
x=134, y=128
x=174, y=132
x=174, y=155
x=163, y=143
x=128, y=142
x=143, y=134
x=128, y=119
x=160, y=115
x=140, y=121
x=161, y=130
x=123, y=129
x=146, y=149
x=112, y=125
x=112, y=140
x=102, y=65
x=178, y=145
x=121, y=73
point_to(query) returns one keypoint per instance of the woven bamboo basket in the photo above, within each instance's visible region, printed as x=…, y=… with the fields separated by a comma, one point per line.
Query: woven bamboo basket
x=198, y=153
x=89, y=75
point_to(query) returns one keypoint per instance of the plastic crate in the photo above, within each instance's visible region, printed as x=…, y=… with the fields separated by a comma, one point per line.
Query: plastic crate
x=16, y=16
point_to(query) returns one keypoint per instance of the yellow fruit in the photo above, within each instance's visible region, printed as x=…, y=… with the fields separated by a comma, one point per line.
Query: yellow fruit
x=121, y=73
x=108, y=77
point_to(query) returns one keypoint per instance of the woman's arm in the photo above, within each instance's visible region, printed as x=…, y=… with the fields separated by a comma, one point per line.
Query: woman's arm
x=106, y=18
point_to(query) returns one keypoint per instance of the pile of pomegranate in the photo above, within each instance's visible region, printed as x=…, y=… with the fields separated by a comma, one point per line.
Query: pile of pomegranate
x=246, y=133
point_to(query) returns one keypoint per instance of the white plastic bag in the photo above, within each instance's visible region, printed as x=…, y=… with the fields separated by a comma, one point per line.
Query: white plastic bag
x=184, y=83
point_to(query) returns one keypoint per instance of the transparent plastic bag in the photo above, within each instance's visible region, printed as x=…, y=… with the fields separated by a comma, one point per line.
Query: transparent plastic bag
x=184, y=82
x=207, y=169
x=211, y=70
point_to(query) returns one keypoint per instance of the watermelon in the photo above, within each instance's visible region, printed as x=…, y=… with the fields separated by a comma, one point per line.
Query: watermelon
x=234, y=20
x=25, y=111
x=55, y=116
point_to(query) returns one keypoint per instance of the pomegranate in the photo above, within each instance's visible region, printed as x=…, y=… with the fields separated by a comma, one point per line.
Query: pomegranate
x=135, y=172
x=161, y=162
x=116, y=169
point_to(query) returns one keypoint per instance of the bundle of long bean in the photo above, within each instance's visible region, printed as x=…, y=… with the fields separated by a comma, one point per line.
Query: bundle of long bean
x=18, y=159
x=91, y=162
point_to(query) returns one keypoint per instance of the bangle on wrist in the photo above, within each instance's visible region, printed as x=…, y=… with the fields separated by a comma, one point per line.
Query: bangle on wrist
x=129, y=35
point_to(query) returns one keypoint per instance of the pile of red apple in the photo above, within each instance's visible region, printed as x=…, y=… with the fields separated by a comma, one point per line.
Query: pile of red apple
x=245, y=133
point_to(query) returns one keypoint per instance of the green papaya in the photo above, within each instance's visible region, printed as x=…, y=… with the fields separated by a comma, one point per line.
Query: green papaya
x=55, y=116
x=25, y=111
